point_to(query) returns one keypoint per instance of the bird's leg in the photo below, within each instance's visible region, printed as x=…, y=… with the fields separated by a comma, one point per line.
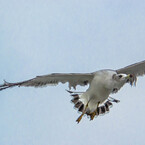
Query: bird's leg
x=92, y=115
x=84, y=111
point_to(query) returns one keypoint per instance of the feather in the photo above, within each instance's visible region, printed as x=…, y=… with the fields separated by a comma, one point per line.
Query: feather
x=137, y=69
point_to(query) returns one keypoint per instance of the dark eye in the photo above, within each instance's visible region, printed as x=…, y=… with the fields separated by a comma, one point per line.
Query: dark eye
x=120, y=76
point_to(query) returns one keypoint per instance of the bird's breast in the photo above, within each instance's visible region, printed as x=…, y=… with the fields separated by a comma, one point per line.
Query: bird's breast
x=98, y=91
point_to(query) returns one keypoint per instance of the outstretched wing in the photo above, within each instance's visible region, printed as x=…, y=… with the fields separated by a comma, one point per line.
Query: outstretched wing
x=137, y=69
x=73, y=79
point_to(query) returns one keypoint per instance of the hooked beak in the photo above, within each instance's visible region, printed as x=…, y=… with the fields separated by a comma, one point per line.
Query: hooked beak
x=128, y=77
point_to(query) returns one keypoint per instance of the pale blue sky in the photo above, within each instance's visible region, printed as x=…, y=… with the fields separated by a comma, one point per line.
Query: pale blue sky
x=41, y=37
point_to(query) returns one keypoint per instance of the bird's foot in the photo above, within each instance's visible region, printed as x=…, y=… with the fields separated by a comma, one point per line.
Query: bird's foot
x=80, y=117
x=92, y=115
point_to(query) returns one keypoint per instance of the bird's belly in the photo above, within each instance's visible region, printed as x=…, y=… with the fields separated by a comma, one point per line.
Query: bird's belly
x=98, y=92
x=98, y=95
x=94, y=97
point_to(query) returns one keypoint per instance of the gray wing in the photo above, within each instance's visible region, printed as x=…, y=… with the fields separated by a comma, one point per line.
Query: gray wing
x=73, y=79
x=137, y=69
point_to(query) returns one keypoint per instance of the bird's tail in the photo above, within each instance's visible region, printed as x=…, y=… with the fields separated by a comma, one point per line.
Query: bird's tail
x=78, y=104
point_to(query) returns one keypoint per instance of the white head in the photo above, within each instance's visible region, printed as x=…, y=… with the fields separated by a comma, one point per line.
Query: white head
x=122, y=77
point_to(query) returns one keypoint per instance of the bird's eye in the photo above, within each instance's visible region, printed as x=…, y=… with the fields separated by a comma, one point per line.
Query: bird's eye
x=120, y=76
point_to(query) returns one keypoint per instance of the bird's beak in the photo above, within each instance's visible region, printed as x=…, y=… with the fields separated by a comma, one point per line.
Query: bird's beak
x=128, y=76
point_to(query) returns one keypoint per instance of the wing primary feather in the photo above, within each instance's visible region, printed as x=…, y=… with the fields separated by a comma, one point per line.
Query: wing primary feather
x=137, y=69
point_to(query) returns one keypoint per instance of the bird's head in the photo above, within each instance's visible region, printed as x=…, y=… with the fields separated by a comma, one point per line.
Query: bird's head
x=123, y=77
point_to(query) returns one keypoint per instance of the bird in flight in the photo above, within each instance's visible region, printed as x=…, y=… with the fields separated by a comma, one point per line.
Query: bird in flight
x=96, y=99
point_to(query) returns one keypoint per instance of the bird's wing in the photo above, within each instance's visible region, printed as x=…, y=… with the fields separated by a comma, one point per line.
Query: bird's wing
x=73, y=79
x=137, y=69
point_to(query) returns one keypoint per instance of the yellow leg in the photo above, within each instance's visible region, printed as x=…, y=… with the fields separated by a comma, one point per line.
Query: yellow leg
x=94, y=113
x=80, y=117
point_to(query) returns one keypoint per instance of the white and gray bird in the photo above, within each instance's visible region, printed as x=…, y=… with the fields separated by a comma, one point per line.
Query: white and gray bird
x=96, y=100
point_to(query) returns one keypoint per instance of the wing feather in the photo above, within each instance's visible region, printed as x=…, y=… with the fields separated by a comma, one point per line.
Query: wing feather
x=137, y=69
x=73, y=79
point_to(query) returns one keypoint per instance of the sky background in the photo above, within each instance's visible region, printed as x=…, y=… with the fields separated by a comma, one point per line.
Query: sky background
x=47, y=36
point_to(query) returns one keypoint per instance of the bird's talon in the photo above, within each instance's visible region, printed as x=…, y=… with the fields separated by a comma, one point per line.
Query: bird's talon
x=92, y=115
x=79, y=119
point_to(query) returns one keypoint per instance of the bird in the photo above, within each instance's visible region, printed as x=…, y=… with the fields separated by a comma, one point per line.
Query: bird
x=96, y=100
